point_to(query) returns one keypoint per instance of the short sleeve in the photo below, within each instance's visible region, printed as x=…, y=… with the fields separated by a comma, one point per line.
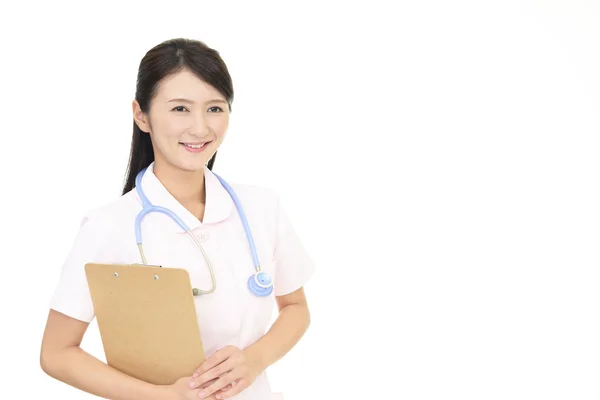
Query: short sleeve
x=72, y=296
x=293, y=265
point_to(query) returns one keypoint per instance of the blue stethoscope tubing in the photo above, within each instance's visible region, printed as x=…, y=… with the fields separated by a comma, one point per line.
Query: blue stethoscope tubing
x=259, y=283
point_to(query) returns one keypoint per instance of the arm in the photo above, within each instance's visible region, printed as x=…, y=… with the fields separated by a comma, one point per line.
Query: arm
x=286, y=332
x=63, y=359
x=231, y=364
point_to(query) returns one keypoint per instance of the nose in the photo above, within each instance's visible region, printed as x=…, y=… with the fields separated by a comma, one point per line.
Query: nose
x=199, y=125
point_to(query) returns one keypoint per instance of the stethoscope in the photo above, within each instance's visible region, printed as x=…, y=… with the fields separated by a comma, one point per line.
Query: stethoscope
x=259, y=283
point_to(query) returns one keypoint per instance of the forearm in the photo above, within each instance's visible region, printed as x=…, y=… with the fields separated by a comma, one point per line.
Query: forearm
x=286, y=332
x=85, y=372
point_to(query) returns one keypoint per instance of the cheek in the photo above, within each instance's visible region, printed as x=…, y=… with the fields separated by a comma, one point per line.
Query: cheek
x=219, y=127
x=170, y=129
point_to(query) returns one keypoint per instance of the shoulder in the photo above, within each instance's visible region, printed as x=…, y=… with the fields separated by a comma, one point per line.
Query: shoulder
x=109, y=217
x=260, y=203
x=259, y=195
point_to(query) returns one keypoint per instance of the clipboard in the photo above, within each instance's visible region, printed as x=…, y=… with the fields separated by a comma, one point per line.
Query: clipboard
x=147, y=320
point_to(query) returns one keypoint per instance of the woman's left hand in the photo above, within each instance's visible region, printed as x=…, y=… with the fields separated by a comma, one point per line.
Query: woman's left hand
x=233, y=369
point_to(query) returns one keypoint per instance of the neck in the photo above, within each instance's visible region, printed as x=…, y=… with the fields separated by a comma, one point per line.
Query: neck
x=187, y=187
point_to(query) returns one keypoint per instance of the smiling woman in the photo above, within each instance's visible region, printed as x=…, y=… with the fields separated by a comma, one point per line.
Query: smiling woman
x=182, y=99
x=181, y=114
x=187, y=114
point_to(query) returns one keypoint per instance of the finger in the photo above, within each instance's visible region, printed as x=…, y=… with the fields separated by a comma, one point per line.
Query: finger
x=213, y=373
x=207, y=384
x=232, y=391
x=228, y=387
x=224, y=381
x=214, y=360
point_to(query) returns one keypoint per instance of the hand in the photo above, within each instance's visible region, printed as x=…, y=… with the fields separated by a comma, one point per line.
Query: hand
x=181, y=390
x=232, y=371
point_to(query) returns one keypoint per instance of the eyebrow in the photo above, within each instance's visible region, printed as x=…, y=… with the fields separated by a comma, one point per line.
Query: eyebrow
x=182, y=100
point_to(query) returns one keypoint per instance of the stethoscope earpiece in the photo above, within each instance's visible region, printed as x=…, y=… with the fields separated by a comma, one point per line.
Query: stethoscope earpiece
x=260, y=284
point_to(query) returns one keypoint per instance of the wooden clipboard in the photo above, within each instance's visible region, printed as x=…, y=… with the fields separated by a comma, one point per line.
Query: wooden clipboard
x=147, y=320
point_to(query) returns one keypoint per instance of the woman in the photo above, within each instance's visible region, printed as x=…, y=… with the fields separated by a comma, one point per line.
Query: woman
x=181, y=114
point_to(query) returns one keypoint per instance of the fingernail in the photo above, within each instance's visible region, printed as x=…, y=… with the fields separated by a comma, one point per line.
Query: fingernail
x=202, y=394
x=196, y=374
x=192, y=384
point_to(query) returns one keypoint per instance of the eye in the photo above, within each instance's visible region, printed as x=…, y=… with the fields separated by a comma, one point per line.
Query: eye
x=179, y=109
x=215, y=109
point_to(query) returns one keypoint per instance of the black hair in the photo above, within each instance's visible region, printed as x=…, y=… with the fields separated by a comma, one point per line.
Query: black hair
x=165, y=59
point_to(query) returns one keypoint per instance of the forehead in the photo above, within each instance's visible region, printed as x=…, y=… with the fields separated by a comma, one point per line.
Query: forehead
x=184, y=84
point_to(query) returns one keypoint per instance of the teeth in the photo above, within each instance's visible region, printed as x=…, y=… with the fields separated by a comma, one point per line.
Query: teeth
x=194, y=146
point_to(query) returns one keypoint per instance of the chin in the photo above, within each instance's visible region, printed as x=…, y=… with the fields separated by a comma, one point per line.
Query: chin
x=193, y=168
x=189, y=166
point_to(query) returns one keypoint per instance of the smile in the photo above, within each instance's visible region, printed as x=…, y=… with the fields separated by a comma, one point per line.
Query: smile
x=195, y=147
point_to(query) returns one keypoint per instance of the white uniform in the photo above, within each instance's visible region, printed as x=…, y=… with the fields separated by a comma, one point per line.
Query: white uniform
x=231, y=315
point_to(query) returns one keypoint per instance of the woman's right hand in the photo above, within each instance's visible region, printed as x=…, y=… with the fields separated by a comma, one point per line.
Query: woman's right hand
x=180, y=390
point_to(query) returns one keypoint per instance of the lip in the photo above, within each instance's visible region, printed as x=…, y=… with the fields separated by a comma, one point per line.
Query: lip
x=192, y=150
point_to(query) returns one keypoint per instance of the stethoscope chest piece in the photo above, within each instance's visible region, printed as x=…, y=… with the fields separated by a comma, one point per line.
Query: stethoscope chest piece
x=260, y=284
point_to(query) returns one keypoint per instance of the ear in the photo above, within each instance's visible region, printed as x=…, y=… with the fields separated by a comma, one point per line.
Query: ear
x=139, y=117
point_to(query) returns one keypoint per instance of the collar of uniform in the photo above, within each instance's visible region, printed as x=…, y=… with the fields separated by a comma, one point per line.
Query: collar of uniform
x=218, y=201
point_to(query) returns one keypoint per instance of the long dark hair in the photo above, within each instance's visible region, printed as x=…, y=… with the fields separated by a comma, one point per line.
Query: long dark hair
x=159, y=62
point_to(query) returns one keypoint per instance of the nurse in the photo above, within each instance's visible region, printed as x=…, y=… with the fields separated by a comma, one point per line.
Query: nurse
x=181, y=113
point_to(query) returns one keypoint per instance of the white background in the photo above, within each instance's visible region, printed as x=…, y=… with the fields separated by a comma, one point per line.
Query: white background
x=439, y=159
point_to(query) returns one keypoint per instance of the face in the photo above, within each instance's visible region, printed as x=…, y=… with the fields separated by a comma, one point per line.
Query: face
x=187, y=122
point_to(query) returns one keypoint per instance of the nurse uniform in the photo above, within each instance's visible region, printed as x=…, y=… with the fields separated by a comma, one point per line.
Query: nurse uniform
x=231, y=315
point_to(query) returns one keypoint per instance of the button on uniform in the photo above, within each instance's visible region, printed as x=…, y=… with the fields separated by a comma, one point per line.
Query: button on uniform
x=202, y=237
